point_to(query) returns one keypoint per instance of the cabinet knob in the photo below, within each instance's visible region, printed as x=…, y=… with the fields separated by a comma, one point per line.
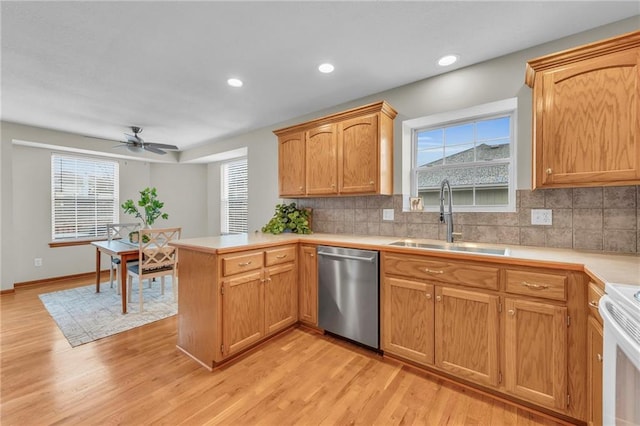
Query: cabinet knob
x=511, y=312
x=438, y=298
x=549, y=171
x=371, y=182
x=593, y=304
x=428, y=295
x=300, y=188
x=333, y=185
x=599, y=357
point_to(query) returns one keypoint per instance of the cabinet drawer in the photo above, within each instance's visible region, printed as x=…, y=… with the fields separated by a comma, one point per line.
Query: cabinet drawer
x=279, y=255
x=593, y=299
x=235, y=264
x=443, y=270
x=537, y=284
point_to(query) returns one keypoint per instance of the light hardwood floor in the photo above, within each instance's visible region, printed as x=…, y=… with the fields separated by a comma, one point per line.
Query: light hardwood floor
x=139, y=377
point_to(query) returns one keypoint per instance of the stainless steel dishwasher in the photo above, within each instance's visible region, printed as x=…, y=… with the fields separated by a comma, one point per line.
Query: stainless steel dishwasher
x=348, y=294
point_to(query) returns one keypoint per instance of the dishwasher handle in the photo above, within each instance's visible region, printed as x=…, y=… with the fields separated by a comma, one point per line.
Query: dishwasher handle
x=345, y=256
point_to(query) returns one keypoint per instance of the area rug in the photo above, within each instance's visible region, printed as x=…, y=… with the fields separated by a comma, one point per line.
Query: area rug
x=84, y=315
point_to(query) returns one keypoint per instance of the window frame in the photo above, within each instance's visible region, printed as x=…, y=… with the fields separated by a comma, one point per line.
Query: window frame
x=224, y=199
x=410, y=128
x=57, y=241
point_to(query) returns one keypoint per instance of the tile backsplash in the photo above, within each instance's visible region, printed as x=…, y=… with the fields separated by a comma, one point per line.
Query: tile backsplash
x=601, y=219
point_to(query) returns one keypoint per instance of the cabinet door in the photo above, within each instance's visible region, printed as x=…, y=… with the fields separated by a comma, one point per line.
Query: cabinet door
x=308, y=303
x=291, y=165
x=594, y=372
x=280, y=297
x=242, y=311
x=536, y=352
x=358, y=152
x=321, y=160
x=589, y=128
x=467, y=334
x=407, y=319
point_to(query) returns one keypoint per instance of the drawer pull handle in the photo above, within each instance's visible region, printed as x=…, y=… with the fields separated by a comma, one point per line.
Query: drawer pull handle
x=593, y=304
x=433, y=271
x=371, y=182
x=438, y=298
x=599, y=357
x=512, y=312
x=428, y=295
x=244, y=263
x=281, y=256
x=535, y=286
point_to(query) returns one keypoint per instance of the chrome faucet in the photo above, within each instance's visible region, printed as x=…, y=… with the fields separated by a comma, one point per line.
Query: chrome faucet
x=446, y=217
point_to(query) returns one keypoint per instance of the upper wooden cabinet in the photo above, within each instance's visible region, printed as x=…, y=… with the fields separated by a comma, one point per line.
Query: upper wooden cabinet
x=347, y=153
x=586, y=114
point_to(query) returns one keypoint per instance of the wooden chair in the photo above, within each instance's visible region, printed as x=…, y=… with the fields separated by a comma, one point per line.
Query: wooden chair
x=118, y=231
x=156, y=259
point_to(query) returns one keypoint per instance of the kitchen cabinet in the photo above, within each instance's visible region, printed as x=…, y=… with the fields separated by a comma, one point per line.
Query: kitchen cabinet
x=347, y=153
x=536, y=352
x=502, y=327
x=594, y=355
x=308, y=301
x=243, y=311
x=258, y=296
x=467, y=331
x=291, y=165
x=321, y=160
x=408, y=319
x=586, y=114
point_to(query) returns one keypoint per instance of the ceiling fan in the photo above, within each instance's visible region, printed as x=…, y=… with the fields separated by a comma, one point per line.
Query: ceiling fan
x=135, y=143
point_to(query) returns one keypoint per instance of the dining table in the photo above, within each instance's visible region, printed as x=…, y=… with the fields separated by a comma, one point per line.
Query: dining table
x=125, y=251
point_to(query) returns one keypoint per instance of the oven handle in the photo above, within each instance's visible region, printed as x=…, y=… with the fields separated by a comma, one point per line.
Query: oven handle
x=344, y=256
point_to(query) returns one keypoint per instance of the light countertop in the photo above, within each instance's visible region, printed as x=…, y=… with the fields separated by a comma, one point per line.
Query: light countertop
x=608, y=268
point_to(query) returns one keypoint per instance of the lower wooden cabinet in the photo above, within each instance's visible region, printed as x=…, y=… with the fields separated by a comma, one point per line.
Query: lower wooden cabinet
x=308, y=287
x=257, y=303
x=536, y=352
x=242, y=311
x=280, y=296
x=467, y=330
x=407, y=319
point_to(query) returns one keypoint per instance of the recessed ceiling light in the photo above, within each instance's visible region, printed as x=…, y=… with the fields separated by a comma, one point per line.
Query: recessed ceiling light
x=234, y=82
x=447, y=60
x=326, y=68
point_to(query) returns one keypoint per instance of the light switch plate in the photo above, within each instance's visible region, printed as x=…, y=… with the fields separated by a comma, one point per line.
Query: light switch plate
x=387, y=214
x=541, y=216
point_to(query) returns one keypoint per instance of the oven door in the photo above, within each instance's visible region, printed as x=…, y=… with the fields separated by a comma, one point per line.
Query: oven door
x=621, y=365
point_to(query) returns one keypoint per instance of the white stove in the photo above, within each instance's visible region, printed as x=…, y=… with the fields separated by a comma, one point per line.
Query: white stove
x=620, y=310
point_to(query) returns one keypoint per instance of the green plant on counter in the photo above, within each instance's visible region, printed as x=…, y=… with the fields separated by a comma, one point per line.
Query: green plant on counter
x=288, y=218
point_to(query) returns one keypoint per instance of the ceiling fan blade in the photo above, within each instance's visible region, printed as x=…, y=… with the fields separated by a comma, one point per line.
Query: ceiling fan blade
x=122, y=145
x=132, y=138
x=152, y=148
x=161, y=145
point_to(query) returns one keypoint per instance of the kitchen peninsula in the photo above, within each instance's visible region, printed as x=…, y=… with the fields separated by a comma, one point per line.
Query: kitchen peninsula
x=236, y=291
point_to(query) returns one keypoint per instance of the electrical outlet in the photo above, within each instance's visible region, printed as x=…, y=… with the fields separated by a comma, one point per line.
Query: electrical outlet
x=541, y=216
x=37, y=262
x=387, y=214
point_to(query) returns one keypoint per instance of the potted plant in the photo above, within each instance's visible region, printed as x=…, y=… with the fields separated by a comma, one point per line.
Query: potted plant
x=150, y=209
x=289, y=218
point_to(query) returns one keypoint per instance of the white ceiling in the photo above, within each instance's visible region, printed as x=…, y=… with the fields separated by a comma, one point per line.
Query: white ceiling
x=96, y=68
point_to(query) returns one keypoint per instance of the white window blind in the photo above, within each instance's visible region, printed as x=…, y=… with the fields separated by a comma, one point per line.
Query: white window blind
x=84, y=196
x=234, y=197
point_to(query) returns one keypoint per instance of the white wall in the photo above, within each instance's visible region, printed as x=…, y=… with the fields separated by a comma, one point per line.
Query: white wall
x=28, y=233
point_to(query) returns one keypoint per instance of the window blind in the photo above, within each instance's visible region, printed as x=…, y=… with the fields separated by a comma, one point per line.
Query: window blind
x=234, y=197
x=84, y=196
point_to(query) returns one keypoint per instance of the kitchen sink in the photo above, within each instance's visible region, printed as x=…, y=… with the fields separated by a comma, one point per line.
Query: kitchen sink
x=452, y=247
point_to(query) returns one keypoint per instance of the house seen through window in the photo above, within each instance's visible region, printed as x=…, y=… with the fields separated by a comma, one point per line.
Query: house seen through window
x=234, y=200
x=474, y=152
x=84, y=196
